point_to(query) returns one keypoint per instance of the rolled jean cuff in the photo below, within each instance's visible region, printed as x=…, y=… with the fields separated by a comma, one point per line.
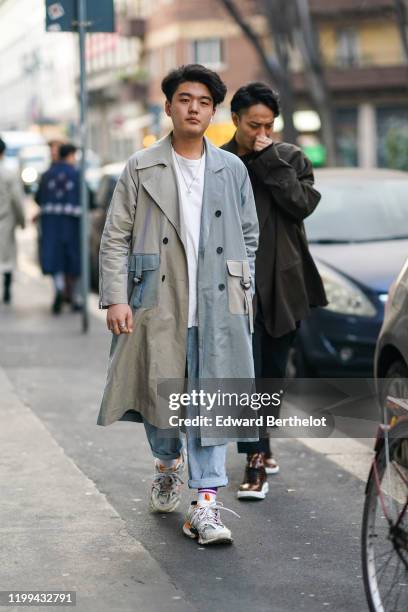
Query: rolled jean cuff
x=207, y=482
x=166, y=456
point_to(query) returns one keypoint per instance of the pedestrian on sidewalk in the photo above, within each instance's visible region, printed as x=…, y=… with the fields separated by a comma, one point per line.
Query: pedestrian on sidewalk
x=11, y=216
x=59, y=201
x=288, y=284
x=182, y=213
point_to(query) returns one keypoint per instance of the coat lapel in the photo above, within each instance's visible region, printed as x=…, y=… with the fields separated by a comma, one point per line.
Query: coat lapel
x=161, y=184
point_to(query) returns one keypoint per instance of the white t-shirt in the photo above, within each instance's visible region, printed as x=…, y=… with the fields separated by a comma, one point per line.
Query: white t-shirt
x=191, y=206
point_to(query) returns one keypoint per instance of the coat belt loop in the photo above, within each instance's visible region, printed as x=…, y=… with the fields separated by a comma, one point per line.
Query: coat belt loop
x=246, y=282
x=139, y=266
x=248, y=299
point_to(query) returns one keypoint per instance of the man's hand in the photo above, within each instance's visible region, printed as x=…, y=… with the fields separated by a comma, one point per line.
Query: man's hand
x=119, y=319
x=261, y=142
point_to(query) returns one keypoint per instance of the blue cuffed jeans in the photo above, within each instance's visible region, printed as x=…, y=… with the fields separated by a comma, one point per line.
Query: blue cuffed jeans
x=206, y=464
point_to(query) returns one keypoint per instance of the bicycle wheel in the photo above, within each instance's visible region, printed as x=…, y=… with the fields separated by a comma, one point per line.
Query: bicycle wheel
x=385, y=528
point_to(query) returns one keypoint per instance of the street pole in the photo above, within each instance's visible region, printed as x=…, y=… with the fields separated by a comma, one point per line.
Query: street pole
x=83, y=187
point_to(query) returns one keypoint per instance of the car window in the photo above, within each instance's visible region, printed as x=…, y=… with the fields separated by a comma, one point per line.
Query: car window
x=360, y=211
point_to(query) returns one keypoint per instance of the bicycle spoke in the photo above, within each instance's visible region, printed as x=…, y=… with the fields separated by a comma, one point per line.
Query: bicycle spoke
x=400, y=474
x=383, y=554
x=383, y=566
x=392, y=585
x=403, y=513
x=395, y=607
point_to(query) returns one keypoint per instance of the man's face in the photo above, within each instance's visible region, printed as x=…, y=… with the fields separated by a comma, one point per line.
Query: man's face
x=191, y=109
x=54, y=151
x=71, y=159
x=253, y=123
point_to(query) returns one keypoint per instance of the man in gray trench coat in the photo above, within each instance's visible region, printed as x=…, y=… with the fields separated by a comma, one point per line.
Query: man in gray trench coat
x=11, y=215
x=177, y=276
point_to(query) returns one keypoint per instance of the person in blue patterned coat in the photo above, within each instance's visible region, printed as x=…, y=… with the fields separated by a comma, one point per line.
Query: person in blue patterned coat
x=59, y=198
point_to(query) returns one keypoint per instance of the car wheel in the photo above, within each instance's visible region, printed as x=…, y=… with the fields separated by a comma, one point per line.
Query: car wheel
x=395, y=382
x=298, y=366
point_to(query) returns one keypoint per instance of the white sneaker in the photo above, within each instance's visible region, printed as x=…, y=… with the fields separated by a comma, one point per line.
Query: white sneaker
x=204, y=522
x=167, y=483
x=271, y=465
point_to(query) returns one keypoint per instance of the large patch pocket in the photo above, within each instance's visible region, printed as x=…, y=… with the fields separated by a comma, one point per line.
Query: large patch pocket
x=239, y=289
x=144, y=270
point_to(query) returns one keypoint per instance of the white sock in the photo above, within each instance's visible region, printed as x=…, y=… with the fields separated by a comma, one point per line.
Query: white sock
x=207, y=496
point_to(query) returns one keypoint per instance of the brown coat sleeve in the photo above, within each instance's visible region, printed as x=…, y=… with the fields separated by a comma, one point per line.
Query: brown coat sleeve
x=287, y=174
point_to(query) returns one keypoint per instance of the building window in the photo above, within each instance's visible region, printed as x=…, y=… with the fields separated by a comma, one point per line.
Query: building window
x=345, y=120
x=392, y=137
x=347, y=51
x=208, y=51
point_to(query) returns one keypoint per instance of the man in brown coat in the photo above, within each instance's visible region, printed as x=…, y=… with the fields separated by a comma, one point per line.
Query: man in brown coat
x=287, y=281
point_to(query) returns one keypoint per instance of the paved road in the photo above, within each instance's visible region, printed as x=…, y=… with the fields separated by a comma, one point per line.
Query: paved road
x=297, y=550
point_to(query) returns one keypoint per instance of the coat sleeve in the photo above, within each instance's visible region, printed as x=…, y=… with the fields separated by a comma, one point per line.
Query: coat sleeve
x=116, y=239
x=17, y=200
x=39, y=194
x=249, y=224
x=289, y=182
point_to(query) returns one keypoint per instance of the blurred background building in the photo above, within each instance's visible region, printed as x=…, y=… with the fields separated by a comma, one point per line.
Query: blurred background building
x=37, y=71
x=364, y=71
x=117, y=85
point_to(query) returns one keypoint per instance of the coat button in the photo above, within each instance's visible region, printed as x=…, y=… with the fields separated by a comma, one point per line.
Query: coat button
x=218, y=213
x=165, y=240
x=219, y=250
x=163, y=278
x=221, y=287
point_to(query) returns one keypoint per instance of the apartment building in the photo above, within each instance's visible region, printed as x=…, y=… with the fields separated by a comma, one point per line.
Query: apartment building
x=361, y=49
x=367, y=74
x=189, y=31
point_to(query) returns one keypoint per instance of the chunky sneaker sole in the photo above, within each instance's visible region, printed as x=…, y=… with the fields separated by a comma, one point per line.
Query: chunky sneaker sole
x=163, y=509
x=203, y=523
x=272, y=470
x=254, y=494
x=222, y=537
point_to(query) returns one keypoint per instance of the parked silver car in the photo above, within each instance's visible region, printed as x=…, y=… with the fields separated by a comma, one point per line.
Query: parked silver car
x=391, y=355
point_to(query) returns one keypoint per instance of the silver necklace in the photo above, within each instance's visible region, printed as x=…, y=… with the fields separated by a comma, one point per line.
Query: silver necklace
x=188, y=187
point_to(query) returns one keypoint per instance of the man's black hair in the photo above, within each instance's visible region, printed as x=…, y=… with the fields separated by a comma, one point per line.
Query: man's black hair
x=66, y=150
x=255, y=93
x=194, y=73
x=2, y=146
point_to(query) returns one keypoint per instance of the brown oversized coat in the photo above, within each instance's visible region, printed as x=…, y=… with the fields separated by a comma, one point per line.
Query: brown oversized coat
x=288, y=283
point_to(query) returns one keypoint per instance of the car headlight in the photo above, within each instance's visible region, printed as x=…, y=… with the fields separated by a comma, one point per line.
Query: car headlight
x=345, y=297
x=29, y=175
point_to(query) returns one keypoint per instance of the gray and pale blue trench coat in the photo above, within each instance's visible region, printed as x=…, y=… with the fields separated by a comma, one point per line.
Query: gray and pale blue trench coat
x=143, y=263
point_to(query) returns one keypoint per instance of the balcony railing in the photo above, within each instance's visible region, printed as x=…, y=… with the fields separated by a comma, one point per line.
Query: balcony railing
x=352, y=8
x=361, y=79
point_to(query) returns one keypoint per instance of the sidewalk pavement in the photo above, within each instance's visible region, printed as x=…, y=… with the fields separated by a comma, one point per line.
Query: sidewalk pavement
x=57, y=531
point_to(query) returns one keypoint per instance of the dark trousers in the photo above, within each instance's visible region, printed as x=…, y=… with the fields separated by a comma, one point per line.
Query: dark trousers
x=7, y=279
x=270, y=360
